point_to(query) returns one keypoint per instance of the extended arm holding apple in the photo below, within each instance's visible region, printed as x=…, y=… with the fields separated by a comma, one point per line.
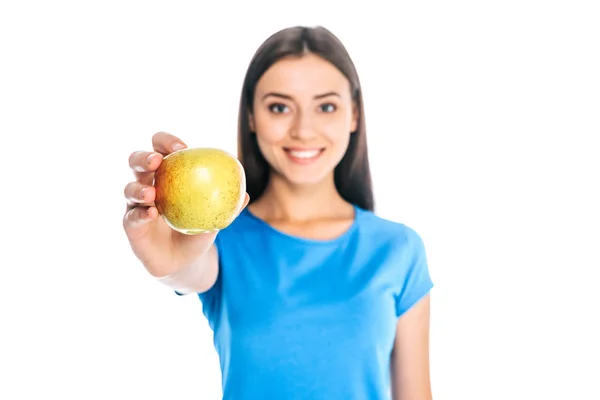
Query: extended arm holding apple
x=185, y=263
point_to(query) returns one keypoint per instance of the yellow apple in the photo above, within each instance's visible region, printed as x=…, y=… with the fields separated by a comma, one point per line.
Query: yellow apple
x=199, y=190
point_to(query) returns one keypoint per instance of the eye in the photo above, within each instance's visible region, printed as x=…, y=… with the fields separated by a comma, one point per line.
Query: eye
x=328, y=108
x=278, y=108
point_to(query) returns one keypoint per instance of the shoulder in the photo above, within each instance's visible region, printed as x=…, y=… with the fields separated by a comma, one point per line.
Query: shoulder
x=388, y=231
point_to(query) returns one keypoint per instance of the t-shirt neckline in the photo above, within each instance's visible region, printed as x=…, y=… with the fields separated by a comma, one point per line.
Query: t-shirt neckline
x=341, y=237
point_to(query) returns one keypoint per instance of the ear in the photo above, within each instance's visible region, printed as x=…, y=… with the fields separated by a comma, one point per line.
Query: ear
x=251, y=122
x=354, y=117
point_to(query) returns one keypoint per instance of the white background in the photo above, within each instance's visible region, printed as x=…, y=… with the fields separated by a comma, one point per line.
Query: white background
x=483, y=122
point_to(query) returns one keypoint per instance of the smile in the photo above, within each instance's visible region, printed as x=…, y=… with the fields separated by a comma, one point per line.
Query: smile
x=303, y=156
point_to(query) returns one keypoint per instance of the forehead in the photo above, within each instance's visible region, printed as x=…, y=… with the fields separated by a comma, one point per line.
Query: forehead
x=309, y=74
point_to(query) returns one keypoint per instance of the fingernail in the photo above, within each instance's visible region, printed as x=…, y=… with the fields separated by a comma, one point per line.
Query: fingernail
x=150, y=157
x=143, y=193
x=178, y=146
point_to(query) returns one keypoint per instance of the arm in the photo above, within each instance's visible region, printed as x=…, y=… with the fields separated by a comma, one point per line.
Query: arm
x=196, y=278
x=410, y=376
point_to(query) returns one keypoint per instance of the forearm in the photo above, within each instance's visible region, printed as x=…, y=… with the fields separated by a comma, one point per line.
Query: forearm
x=197, y=277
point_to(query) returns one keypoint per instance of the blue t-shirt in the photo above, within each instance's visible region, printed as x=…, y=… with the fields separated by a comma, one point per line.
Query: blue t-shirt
x=295, y=318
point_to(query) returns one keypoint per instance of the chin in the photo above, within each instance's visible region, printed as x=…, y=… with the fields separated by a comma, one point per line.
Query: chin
x=306, y=179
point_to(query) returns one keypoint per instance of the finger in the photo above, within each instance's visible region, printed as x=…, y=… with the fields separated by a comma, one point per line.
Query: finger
x=246, y=201
x=144, y=161
x=137, y=218
x=143, y=164
x=165, y=143
x=137, y=194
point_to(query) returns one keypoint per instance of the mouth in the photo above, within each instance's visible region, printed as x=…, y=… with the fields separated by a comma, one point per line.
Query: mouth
x=303, y=156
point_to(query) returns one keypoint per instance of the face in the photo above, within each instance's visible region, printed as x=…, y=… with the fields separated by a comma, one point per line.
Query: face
x=303, y=117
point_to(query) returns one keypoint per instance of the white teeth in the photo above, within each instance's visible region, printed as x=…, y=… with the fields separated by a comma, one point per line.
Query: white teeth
x=304, y=153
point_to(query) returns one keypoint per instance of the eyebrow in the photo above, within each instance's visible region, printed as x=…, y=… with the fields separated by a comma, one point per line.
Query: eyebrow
x=285, y=96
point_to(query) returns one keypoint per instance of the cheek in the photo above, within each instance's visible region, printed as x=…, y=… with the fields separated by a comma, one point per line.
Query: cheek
x=270, y=131
x=269, y=135
x=340, y=144
x=338, y=130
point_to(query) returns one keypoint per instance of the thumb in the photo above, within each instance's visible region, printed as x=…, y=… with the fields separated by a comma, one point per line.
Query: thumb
x=246, y=201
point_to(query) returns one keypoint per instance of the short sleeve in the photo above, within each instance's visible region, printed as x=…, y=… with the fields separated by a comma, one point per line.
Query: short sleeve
x=211, y=299
x=416, y=282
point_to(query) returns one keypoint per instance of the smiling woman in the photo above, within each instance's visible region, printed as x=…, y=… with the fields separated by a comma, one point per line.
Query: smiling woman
x=309, y=293
x=306, y=77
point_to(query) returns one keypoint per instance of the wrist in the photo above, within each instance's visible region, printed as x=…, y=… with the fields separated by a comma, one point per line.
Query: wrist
x=186, y=278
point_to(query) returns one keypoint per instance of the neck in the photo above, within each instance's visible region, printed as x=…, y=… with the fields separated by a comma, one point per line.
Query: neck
x=284, y=201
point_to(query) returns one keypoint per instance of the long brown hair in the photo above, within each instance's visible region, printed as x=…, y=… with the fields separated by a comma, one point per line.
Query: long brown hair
x=352, y=175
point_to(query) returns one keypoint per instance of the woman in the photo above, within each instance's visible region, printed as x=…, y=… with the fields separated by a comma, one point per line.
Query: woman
x=309, y=293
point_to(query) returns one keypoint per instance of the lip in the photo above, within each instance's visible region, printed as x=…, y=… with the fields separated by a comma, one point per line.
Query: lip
x=303, y=155
x=296, y=148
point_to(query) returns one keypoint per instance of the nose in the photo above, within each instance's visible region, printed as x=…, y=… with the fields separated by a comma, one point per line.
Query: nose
x=303, y=127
